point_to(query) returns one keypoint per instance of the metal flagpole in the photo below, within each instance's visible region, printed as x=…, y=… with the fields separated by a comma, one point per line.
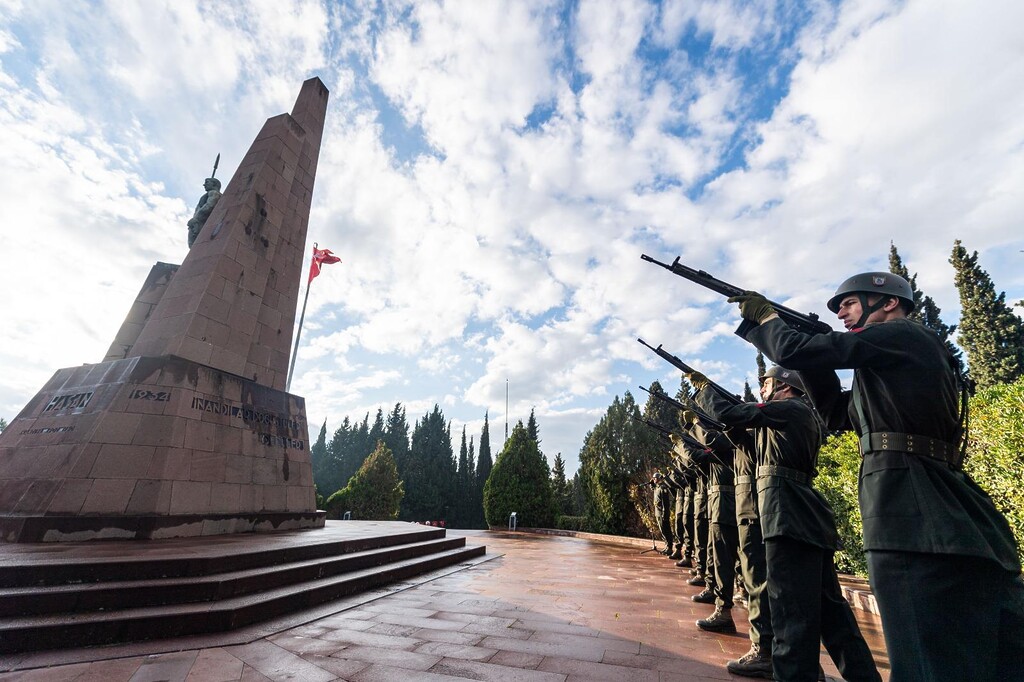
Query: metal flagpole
x=298, y=334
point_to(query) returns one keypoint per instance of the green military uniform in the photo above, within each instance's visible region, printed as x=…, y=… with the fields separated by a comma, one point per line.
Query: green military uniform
x=703, y=557
x=751, y=541
x=723, y=538
x=800, y=540
x=942, y=559
x=664, y=504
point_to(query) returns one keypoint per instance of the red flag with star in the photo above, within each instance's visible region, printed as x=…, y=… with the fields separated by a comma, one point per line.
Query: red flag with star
x=320, y=257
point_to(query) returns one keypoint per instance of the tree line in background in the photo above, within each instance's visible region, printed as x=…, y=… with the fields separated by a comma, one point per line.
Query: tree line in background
x=382, y=471
x=620, y=453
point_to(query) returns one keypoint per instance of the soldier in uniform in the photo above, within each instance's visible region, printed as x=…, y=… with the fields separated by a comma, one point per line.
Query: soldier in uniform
x=681, y=555
x=753, y=568
x=942, y=560
x=663, y=506
x=723, y=536
x=703, y=565
x=799, y=530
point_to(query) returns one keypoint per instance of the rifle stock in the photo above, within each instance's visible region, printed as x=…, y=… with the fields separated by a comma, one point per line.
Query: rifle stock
x=805, y=322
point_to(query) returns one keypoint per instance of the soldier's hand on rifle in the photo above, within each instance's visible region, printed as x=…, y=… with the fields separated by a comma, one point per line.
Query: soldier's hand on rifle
x=753, y=306
x=698, y=381
x=688, y=417
x=701, y=456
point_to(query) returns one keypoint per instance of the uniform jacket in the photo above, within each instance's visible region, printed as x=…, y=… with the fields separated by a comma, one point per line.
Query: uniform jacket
x=721, y=485
x=787, y=435
x=904, y=382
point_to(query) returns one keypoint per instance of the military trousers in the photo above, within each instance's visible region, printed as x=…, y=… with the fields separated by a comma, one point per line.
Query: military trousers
x=702, y=534
x=665, y=525
x=807, y=606
x=948, y=617
x=755, y=579
x=683, y=543
x=724, y=541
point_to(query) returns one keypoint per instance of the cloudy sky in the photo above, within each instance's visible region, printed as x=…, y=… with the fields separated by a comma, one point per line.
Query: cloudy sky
x=491, y=172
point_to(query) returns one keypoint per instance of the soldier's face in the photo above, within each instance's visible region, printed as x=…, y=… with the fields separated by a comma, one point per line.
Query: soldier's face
x=767, y=387
x=850, y=311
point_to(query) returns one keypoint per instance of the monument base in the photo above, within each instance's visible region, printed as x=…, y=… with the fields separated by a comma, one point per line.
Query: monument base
x=154, y=447
x=151, y=527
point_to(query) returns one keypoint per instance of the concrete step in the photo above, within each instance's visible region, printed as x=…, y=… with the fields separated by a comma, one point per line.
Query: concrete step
x=50, y=631
x=110, y=595
x=168, y=559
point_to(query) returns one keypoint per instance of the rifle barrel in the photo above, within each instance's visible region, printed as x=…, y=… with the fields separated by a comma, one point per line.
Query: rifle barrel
x=806, y=322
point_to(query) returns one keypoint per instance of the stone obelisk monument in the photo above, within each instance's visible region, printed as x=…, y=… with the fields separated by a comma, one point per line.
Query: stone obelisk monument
x=185, y=428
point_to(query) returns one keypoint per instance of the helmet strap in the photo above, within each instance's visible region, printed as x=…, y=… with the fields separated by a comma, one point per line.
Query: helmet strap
x=867, y=309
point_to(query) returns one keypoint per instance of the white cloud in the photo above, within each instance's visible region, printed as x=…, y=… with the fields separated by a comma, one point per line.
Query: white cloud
x=477, y=248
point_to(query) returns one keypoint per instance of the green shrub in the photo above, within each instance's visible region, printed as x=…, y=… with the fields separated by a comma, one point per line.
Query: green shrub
x=373, y=493
x=995, y=460
x=520, y=482
x=838, y=472
x=995, y=454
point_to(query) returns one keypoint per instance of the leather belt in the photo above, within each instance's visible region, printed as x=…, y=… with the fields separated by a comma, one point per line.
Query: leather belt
x=941, y=450
x=783, y=472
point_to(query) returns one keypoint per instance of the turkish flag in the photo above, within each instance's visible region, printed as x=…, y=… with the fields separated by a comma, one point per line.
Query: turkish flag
x=320, y=257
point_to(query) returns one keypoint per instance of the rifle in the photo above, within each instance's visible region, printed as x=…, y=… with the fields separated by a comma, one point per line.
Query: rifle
x=706, y=420
x=686, y=438
x=808, y=323
x=686, y=369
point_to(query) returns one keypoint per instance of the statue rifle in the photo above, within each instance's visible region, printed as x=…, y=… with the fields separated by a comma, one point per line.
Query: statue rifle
x=805, y=322
x=216, y=162
x=686, y=369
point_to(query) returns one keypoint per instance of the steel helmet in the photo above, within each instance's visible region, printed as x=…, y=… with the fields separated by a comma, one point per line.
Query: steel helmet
x=885, y=283
x=786, y=376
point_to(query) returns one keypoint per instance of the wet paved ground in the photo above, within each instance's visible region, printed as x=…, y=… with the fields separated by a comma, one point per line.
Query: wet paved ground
x=550, y=608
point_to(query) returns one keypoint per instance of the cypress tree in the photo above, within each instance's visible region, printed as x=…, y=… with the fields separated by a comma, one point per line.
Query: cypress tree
x=374, y=493
x=318, y=458
x=619, y=452
x=659, y=411
x=484, y=460
x=989, y=331
x=560, y=487
x=520, y=482
x=396, y=436
x=531, y=428
x=748, y=395
x=430, y=475
x=761, y=366
x=463, y=487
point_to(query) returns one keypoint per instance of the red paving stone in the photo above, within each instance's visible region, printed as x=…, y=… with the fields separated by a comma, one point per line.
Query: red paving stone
x=548, y=609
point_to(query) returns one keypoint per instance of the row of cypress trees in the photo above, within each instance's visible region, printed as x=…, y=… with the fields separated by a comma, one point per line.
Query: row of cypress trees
x=438, y=486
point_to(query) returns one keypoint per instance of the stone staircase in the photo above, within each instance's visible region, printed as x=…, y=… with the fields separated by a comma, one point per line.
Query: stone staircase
x=177, y=589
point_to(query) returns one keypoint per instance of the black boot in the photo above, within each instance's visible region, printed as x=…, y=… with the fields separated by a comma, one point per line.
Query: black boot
x=685, y=562
x=696, y=581
x=754, y=663
x=676, y=555
x=719, y=621
x=705, y=597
